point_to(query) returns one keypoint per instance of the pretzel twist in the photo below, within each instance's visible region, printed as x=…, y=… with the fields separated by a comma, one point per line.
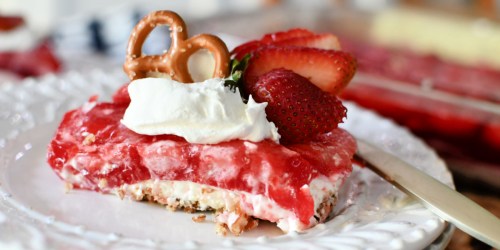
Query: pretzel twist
x=174, y=62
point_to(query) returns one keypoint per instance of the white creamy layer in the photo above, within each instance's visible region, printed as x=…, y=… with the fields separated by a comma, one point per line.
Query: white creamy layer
x=204, y=112
x=258, y=206
x=19, y=39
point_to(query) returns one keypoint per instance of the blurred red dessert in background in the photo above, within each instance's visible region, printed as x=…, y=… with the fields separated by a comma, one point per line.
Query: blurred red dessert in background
x=21, y=53
x=450, y=101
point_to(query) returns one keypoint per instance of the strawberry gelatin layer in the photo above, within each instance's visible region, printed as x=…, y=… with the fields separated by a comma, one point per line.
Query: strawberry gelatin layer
x=93, y=150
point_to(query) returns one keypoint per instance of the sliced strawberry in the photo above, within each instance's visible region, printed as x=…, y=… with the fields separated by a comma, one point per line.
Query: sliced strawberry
x=293, y=37
x=330, y=70
x=299, y=109
x=284, y=35
x=10, y=22
x=321, y=41
x=247, y=48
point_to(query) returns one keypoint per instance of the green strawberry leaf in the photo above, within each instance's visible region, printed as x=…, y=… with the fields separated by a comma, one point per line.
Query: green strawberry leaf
x=235, y=81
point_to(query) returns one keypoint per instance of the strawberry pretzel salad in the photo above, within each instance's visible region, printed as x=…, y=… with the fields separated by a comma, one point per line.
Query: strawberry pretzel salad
x=22, y=53
x=257, y=141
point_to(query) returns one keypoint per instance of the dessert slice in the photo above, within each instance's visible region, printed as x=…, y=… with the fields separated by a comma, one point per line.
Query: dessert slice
x=295, y=186
x=205, y=147
x=439, y=78
x=21, y=53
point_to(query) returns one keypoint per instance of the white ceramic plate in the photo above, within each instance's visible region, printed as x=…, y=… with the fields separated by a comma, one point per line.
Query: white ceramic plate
x=36, y=213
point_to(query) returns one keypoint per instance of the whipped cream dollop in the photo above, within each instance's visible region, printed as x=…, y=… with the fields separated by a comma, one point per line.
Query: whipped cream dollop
x=204, y=112
x=18, y=39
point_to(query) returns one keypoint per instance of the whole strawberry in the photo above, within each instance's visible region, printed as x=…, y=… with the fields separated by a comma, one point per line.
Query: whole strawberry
x=299, y=109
